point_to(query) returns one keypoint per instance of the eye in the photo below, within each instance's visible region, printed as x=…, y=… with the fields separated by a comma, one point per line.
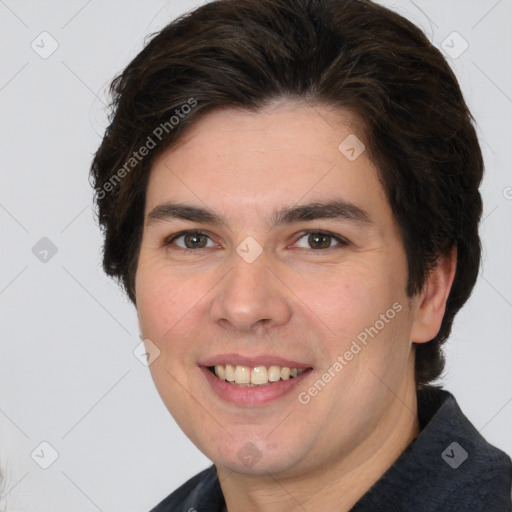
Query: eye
x=320, y=240
x=190, y=240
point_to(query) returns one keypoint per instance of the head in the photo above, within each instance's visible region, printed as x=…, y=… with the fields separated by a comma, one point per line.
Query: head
x=245, y=110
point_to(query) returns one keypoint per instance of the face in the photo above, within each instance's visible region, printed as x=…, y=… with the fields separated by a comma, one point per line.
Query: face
x=267, y=247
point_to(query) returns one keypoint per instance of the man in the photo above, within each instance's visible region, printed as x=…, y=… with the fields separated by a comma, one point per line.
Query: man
x=289, y=193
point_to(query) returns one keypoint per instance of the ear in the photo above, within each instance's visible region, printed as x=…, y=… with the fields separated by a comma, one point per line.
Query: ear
x=431, y=303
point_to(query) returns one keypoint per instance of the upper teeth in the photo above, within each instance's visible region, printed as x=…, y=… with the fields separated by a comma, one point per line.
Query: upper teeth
x=256, y=375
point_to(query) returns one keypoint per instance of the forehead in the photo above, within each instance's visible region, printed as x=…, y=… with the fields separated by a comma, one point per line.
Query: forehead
x=240, y=162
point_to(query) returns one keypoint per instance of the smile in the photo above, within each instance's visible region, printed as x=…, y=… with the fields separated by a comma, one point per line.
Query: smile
x=254, y=376
x=253, y=381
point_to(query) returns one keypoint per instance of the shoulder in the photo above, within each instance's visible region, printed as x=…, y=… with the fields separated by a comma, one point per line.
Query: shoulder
x=449, y=467
x=467, y=472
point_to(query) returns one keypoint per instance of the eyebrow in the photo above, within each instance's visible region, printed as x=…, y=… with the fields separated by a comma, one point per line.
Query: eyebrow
x=336, y=209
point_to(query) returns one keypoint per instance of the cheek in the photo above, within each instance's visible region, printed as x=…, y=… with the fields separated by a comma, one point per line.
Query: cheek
x=365, y=310
x=172, y=309
x=154, y=301
x=349, y=299
x=162, y=300
x=159, y=310
x=165, y=307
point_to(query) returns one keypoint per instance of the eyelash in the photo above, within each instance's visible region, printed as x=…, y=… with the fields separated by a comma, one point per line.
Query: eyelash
x=342, y=242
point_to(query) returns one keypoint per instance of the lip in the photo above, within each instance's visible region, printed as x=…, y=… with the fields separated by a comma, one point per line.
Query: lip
x=252, y=396
x=262, y=360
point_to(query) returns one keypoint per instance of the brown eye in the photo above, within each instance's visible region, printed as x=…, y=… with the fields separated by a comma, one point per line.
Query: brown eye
x=320, y=240
x=195, y=240
x=190, y=240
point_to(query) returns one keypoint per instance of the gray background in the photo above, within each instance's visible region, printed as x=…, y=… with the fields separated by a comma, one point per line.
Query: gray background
x=68, y=373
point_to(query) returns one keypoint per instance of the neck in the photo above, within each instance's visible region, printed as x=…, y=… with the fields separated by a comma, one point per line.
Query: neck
x=334, y=487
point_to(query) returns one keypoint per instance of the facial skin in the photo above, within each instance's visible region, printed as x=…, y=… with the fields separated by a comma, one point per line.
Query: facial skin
x=294, y=301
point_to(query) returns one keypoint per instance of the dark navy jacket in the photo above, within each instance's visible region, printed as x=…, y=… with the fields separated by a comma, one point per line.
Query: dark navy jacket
x=449, y=467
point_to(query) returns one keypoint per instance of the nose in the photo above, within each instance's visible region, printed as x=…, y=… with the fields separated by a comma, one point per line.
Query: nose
x=250, y=297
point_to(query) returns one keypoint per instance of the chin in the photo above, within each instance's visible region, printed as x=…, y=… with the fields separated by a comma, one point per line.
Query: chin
x=258, y=459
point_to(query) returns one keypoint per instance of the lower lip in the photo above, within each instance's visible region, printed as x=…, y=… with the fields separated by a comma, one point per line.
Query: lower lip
x=252, y=396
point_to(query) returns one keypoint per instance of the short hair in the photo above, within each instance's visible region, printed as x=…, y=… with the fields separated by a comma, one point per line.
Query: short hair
x=352, y=54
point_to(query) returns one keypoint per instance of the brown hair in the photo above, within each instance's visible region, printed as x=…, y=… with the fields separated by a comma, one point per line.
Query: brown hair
x=348, y=53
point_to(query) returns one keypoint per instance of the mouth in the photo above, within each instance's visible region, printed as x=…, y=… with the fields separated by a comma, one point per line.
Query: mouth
x=255, y=376
x=253, y=383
